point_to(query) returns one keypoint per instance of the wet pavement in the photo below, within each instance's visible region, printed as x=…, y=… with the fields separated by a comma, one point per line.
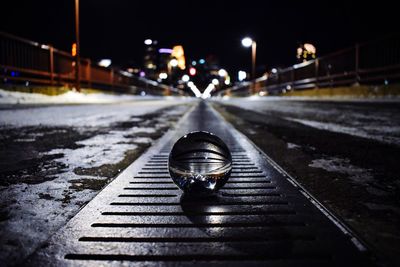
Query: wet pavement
x=352, y=168
x=55, y=159
x=260, y=218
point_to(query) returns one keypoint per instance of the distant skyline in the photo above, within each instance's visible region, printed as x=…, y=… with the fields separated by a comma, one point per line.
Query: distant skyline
x=117, y=29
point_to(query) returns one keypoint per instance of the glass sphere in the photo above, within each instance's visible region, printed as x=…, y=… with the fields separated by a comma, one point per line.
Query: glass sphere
x=200, y=162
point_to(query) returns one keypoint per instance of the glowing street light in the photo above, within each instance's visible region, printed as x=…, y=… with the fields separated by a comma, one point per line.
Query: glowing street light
x=194, y=89
x=77, y=48
x=192, y=71
x=105, y=62
x=148, y=42
x=247, y=42
x=241, y=75
x=163, y=75
x=185, y=78
x=227, y=80
x=305, y=51
x=215, y=81
x=173, y=62
x=207, y=91
x=73, y=50
x=179, y=54
x=222, y=73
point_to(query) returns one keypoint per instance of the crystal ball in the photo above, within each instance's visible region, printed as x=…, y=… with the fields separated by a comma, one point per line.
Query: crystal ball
x=200, y=162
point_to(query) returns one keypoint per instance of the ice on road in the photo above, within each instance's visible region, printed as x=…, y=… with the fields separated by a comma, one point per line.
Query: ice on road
x=81, y=115
x=54, y=159
x=69, y=97
x=379, y=120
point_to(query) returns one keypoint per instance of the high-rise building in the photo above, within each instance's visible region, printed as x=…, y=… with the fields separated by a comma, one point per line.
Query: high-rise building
x=150, y=58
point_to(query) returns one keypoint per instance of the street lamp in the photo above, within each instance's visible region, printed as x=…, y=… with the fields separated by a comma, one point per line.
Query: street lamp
x=247, y=42
x=222, y=73
x=78, y=45
x=148, y=42
x=163, y=76
x=215, y=81
x=173, y=62
x=241, y=75
x=185, y=78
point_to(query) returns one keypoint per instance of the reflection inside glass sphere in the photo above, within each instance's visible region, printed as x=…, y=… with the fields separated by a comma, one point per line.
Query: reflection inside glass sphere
x=200, y=162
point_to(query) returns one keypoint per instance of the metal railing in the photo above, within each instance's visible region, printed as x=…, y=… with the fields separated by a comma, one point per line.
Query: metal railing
x=27, y=62
x=376, y=62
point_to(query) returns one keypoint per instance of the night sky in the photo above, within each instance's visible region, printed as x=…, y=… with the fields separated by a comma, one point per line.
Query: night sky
x=116, y=29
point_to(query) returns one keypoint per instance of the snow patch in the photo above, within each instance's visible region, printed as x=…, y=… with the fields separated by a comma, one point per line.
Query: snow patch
x=381, y=123
x=356, y=174
x=33, y=219
x=36, y=211
x=70, y=97
x=81, y=115
x=292, y=146
x=337, y=98
x=101, y=149
x=355, y=131
x=251, y=131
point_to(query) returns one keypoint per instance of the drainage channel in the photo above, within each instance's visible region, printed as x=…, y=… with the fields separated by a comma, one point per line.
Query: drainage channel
x=259, y=217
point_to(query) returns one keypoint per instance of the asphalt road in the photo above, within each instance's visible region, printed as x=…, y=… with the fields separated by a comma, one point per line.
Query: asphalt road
x=54, y=159
x=346, y=153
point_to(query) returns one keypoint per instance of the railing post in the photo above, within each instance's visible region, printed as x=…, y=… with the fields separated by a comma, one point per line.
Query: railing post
x=357, y=62
x=278, y=80
x=51, y=52
x=292, y=76
x=316, y=62
x=78, y=48
x=112, y=78
x=89, y=72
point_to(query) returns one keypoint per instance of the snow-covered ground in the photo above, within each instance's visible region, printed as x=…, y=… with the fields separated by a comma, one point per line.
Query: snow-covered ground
x=382, y=133
x=35, y=210
x=333, y=98
x=366, y=118
x=82, y=115
x=343, y=166
x=345, y=152
x=70, y=97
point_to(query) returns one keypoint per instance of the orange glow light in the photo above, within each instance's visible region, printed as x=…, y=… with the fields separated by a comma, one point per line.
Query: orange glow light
x=73, y=51
x=177, y=52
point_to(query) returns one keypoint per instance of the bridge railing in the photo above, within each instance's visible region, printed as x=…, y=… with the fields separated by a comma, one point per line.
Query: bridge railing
x=23, y=61
x=376, y=62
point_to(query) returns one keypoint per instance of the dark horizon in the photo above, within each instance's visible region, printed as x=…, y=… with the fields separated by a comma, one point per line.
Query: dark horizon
x=117, y=30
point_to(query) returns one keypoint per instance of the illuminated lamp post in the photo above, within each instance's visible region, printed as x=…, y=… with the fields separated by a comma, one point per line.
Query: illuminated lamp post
x=77, y=57
x=247, y=42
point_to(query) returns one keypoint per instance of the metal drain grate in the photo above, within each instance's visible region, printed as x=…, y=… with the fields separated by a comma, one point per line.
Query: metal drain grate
x=258, y=218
